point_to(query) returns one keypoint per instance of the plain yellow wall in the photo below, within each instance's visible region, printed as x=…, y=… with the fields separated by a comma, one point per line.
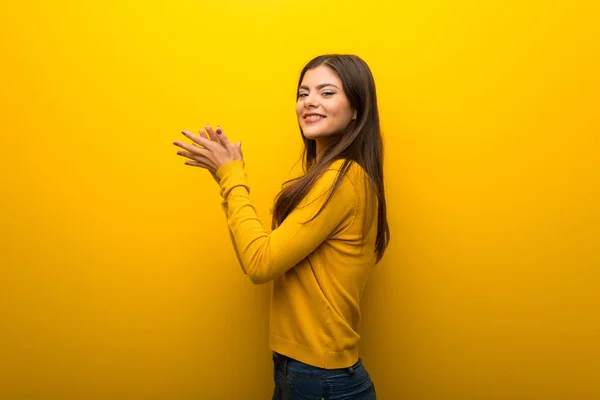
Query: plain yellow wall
x=118, y=279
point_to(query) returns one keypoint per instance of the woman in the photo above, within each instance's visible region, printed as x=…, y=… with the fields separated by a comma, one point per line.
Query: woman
x=329, y=229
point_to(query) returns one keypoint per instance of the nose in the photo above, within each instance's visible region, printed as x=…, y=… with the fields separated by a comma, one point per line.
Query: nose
x=310, y=101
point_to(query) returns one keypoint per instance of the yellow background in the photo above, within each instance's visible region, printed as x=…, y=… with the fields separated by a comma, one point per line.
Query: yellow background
x=118, y=279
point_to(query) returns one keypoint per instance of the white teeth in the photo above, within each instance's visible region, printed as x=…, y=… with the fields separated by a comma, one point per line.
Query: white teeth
x=313, y=117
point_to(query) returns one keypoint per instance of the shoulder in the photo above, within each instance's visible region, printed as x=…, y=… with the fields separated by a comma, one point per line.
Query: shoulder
x=354, y=173
x=350, y=181
x=355, y=184
x=345, y=190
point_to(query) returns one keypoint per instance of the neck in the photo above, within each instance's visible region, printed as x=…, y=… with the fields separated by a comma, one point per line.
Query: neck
x=321, y=143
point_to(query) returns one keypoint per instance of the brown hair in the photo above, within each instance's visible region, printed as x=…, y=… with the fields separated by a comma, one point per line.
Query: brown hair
x=360, y=142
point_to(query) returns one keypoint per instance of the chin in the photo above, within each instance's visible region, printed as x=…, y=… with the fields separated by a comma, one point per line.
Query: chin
x=314, y=133
x=315, y=137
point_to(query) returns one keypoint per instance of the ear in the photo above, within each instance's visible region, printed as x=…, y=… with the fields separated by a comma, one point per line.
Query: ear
x=354, y=116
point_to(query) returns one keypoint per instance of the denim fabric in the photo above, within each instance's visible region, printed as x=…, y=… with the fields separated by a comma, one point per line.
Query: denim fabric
x=297, y=380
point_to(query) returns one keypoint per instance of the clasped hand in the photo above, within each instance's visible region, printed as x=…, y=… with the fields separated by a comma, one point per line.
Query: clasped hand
x=210, y=151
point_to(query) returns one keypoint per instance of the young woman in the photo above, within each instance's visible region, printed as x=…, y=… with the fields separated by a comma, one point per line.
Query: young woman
x=329, y=229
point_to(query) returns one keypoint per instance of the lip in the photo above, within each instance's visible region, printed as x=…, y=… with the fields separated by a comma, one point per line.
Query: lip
x=312, y=122
x=308, y=114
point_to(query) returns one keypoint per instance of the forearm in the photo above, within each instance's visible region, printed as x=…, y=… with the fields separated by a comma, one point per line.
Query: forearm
x=225, y=208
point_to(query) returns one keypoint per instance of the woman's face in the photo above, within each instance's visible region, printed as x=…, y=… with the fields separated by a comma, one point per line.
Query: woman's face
x=322, y=107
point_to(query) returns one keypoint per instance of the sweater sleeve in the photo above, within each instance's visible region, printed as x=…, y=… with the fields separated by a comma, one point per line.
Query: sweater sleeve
x=264, y=254
x=225, y=208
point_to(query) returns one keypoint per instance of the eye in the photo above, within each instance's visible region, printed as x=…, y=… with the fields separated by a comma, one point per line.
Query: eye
x=328, y=93
x=302, y=94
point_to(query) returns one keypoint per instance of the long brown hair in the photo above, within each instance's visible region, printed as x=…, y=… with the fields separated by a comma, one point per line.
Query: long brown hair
x=360, y=142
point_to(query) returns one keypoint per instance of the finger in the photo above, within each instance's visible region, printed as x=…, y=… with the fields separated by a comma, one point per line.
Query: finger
x=192, y=156
x=211, y=133
x=196, y=139
x=206, y=164
x=239, y=147
x=195, y=164
x=223, y=138
x=203, y=134
x=192, y=148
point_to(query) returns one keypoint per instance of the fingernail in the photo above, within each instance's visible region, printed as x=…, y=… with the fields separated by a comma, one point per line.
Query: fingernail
x=219, y=131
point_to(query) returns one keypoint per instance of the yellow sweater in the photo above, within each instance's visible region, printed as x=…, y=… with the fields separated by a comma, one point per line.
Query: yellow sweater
x=318, y=269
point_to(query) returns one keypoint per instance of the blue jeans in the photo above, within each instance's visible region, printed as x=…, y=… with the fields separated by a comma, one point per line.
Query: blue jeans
x=297, y=380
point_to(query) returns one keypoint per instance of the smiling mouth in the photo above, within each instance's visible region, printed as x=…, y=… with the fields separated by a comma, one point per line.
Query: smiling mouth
x=313, y=118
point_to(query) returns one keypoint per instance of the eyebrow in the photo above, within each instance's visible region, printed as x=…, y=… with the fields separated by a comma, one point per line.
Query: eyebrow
x=322, y=85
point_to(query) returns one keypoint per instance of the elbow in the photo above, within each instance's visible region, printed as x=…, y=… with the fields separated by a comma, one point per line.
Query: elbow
x=260, y=270
x=259, y=279
x=259, y=274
